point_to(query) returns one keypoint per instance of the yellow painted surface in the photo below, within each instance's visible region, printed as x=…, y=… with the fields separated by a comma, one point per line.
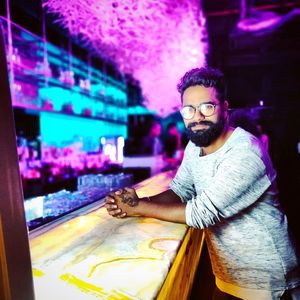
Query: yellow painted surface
x=95, y=256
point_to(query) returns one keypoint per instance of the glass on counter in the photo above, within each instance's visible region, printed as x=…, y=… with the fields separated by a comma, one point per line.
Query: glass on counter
x=90, y=188
x=106, y=183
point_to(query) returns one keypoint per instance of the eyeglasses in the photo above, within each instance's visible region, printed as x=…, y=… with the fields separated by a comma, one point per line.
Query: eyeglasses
x=206, y=109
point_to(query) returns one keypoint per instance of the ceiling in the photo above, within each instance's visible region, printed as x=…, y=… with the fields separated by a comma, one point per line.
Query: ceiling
x=229, y=46
x=222, y=15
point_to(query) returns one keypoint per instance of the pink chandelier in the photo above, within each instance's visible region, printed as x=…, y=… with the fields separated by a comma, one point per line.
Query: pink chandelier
x=156, y=41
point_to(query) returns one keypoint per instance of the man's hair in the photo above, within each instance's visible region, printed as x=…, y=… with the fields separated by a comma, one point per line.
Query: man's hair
x=205, y=76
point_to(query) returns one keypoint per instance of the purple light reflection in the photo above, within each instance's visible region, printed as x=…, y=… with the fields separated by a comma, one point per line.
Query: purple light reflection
x=155, y=41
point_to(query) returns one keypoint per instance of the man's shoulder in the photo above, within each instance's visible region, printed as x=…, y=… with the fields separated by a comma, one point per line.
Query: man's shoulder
x=243, y=142
x=244, y=138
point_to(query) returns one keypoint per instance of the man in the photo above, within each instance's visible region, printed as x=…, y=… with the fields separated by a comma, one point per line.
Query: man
x=226, y=186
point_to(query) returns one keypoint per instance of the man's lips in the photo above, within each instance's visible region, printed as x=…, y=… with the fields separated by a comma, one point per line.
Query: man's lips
x=199, y=127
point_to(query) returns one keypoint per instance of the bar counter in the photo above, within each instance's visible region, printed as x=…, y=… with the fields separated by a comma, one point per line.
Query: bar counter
x=91, y=255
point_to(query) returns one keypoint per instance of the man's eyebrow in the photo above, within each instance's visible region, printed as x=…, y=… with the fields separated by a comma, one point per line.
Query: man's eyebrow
x=208, y=102
x=205, y=102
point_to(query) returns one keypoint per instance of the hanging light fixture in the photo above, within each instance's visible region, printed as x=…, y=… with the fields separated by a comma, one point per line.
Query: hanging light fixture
x=152, y=40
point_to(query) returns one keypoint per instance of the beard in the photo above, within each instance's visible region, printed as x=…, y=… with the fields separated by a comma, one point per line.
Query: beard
x=204, y=137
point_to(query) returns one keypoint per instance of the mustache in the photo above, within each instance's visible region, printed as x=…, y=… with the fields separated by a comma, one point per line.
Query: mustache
x=208, y=123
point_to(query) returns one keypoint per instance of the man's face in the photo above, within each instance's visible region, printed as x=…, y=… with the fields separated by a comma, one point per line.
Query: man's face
x=203, y=130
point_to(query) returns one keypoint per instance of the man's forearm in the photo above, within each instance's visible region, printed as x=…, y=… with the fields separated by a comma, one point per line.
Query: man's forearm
x=173, y=212
x=167, y=196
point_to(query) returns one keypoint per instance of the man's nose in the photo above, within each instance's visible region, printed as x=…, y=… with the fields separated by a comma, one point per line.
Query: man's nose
x=198, y=115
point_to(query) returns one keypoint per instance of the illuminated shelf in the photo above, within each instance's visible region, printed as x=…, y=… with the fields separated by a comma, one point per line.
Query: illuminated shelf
x=43, y=73
x=33, y=110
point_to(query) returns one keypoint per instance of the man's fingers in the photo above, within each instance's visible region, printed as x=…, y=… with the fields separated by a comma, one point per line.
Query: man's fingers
x=122, y=215
x=128, y=189
x=115, y=212
x=109, y=199
x=111, y=206
x=119, y=192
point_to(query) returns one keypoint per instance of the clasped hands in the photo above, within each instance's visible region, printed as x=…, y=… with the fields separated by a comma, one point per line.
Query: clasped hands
x=122, y=203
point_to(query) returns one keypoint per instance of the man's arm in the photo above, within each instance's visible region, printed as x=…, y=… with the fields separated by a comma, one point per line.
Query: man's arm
x=167, y=196
x=164, y=206
x=173, y=212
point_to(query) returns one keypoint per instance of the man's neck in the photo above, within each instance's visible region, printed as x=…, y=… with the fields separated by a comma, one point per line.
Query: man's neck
x=219, y=142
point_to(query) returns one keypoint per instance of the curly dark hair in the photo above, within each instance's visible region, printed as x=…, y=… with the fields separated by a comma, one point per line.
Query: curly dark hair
x=205, y=76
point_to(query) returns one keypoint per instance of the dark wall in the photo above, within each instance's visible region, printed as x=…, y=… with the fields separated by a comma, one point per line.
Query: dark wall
x=26, y=124
x=265, y=66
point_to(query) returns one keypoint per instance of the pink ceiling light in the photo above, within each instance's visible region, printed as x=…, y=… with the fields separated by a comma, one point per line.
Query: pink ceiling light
x=155, y=40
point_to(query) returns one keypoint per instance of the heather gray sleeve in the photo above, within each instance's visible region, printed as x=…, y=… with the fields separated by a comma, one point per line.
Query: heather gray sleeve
x=239, y=181
x=182, y=184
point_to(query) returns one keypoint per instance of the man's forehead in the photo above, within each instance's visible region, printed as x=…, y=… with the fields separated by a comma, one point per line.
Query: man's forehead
x=200, y=93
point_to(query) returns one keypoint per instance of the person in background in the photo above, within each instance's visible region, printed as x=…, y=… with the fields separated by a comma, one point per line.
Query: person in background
x=263, y=136
x=173, y=152
x=225, y=185
x=242, y=118
x=151, y=143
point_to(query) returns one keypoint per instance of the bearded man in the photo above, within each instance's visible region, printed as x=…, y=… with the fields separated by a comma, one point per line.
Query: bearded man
x=225, y=185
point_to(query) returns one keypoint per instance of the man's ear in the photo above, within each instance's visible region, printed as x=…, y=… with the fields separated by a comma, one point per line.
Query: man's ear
x=226, y=105
x=225, y=109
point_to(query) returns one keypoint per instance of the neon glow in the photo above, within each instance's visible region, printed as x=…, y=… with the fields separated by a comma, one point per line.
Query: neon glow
x=59, y=130
x=155, y=40
x=120, y=145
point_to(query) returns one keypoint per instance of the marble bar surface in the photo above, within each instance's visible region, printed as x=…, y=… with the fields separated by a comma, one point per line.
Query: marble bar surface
x=92, y=255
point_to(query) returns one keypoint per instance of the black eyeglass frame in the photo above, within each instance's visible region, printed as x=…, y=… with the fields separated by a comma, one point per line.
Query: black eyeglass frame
x=200, y=110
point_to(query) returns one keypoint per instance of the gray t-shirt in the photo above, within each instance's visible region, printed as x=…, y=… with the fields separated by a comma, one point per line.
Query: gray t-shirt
x=232, y=195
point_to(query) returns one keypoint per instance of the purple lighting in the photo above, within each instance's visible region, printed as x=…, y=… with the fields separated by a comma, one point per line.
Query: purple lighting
x=156, y=41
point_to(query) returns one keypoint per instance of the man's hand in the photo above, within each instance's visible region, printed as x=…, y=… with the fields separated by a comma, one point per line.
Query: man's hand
x=111, y=205
x=130, y=197
x=121, y=203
